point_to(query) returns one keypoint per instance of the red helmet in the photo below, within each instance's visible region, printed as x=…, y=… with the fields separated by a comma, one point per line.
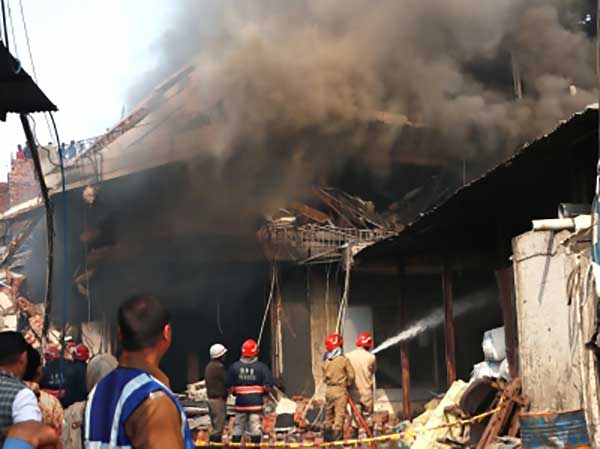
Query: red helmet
x=51, y=353
x=250, y=348
x=364, y=340
x=334, y=341
x=81, y=352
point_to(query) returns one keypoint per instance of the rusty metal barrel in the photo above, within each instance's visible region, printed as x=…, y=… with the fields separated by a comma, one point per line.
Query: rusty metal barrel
x=557, y=430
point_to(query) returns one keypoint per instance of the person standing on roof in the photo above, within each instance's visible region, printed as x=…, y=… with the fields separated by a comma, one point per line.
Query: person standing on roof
x=249, y=380
x=133, y=406
x=362, y=391
x=338, y=376
x=214, y=376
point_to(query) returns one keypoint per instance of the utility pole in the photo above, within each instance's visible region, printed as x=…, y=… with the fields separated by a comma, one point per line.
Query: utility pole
x=49, y=220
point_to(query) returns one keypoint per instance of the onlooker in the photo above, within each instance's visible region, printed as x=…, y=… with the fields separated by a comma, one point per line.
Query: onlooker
x=136, y=396
x=71, y=150
x=214, y=376
x=20, y=155
x=52, y=411
x=27, y=152
x=63, y=150
x=99, y=366
x=31, y=435
x=17, y=402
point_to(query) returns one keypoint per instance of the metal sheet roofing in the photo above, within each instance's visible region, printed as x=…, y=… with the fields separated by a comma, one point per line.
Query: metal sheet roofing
x=18, y=92
x=535, y=174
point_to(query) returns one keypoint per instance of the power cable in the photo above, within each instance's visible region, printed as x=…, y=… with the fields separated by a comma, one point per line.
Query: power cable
x=4, y=25
x=12, y=28
x=35, y=77
x=66, y=262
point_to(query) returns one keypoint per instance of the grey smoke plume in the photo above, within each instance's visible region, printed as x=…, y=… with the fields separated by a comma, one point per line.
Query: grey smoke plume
x=281, y=67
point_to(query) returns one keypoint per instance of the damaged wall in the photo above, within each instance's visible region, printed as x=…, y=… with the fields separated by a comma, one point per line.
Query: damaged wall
x=549, y=358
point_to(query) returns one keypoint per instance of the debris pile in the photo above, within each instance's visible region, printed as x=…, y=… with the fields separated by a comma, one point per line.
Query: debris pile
x=307, y=235
x=495, y=364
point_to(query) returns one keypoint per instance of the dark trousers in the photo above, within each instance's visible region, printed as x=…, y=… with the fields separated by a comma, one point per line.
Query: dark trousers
x=218, y=413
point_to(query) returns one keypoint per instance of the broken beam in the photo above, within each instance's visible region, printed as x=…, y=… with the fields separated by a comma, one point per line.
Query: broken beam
x=449, y=324
x=404, y=360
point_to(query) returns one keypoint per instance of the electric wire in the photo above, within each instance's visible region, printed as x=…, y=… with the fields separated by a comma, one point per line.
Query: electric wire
x=33, y=69
x=12, y=28
x=66, y=262
x=5, y=26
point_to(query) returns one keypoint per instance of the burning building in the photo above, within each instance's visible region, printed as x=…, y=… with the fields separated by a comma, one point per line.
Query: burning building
x=341, y=148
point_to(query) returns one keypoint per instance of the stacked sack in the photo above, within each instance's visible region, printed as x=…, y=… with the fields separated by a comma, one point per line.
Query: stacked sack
x=494, y=350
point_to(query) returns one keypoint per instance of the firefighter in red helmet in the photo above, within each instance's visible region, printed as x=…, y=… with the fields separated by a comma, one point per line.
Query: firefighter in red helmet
x=338, y=376
x=248, y=380
x=364, y=365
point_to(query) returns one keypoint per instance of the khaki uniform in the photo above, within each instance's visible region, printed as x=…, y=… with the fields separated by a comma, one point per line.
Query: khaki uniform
x=364, y=365
x=338, y=375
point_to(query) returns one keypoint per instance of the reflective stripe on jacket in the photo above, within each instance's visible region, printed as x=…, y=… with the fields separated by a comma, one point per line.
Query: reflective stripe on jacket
x=113, y=401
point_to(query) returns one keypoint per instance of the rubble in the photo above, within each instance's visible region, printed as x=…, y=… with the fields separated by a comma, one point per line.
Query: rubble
x=307, y=235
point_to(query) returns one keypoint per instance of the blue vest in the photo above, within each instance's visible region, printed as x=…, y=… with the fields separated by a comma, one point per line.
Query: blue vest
x=111, y=403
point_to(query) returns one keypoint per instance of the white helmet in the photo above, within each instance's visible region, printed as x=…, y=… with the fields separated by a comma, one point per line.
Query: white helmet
x=217, y=351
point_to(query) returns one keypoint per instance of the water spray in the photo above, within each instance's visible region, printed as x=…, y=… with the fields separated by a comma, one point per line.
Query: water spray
x=433, y=320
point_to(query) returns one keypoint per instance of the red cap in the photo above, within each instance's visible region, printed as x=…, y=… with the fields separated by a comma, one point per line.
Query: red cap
x=364, y=340
x=334, y=341
x=250, y=348
x=81, y=352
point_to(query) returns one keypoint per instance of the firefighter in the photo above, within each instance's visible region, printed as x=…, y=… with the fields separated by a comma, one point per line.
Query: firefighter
x=364, y=365
x=248, y=380
x=338, y=376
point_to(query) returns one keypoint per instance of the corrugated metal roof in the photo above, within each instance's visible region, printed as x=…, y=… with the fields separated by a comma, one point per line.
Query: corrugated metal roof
x=514, y=182
x=18, y=92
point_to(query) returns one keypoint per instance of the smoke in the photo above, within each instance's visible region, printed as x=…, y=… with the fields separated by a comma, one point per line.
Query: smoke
x=435, y=319
x=334, y=67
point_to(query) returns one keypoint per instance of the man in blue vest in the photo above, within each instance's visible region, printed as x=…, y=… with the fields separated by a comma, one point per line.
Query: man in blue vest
x=133, y=407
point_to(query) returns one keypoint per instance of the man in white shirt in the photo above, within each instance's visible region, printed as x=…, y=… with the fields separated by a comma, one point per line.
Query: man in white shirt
x=17, y=402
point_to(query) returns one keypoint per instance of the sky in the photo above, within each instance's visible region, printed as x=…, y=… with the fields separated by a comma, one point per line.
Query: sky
x=87, y=53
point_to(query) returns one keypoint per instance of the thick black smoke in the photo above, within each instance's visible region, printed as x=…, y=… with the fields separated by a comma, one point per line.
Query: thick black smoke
x=335, y=66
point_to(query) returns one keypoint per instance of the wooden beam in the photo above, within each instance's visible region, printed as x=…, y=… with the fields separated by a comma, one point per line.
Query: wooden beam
x=449, y=324
x=404, y=360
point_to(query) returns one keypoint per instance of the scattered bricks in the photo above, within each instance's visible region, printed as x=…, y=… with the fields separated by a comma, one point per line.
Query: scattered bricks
x=381, y=417
x=201, y=435
x=269, y=423
x=299, y=416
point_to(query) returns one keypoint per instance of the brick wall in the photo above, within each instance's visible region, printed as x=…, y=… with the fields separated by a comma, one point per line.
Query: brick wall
x=4, y=198
x=22, y=185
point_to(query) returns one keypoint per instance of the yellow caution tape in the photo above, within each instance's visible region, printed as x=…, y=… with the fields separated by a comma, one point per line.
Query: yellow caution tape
x=354, y=441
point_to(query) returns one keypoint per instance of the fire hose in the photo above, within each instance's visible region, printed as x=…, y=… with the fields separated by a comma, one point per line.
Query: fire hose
x=360, y=419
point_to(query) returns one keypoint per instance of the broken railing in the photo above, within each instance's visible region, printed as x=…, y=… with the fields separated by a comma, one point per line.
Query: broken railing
x=313, y=243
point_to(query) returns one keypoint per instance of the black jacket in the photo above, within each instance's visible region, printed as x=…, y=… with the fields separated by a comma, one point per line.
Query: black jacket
x=69, y=388
x=214, y=376
x=249, y=381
